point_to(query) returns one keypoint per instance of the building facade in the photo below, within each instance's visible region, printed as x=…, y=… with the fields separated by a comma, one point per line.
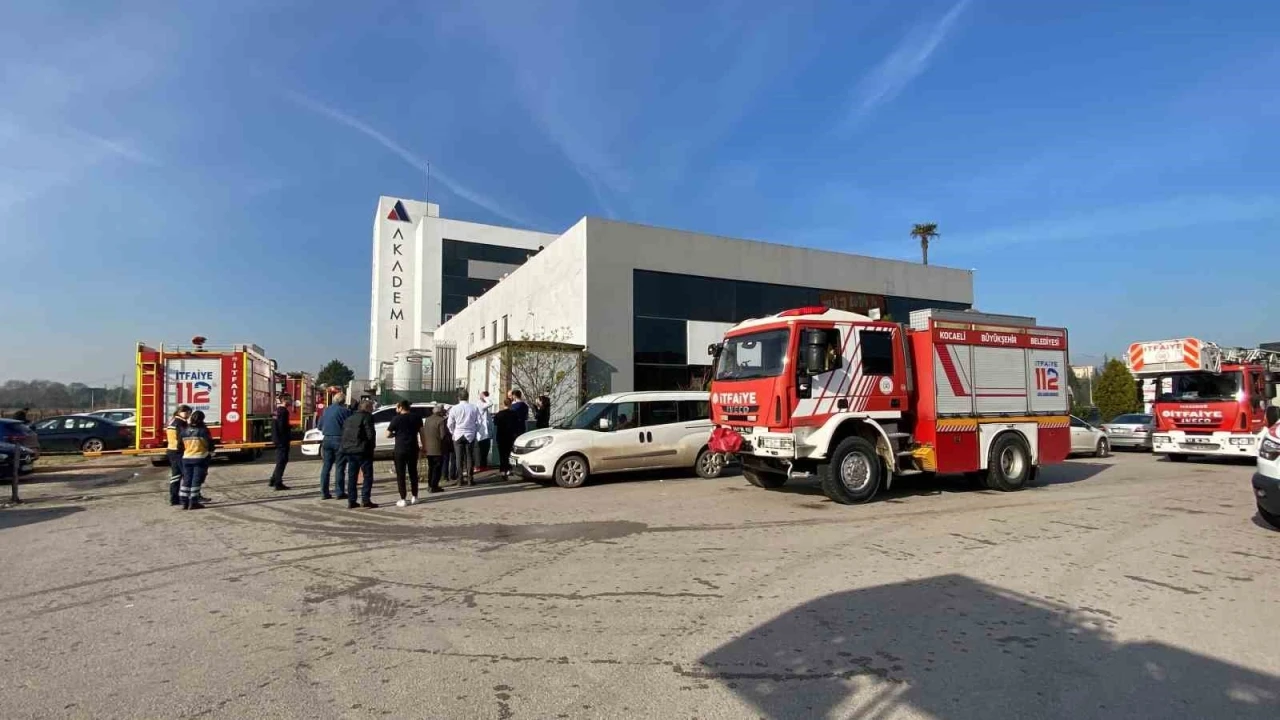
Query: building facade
x=427, y=268
x=646, y=301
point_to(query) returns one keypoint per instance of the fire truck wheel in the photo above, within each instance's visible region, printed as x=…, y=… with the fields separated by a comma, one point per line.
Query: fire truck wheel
x=1009, y=466
x=767, y=480
x=854, y=474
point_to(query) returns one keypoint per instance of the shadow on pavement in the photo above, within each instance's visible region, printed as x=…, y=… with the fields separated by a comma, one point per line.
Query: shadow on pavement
x=952, y=647
x=17, y=517
x=1072, y=471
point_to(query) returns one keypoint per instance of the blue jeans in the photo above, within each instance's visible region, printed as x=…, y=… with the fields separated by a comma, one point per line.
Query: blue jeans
x=331, y=455
x=354, y=466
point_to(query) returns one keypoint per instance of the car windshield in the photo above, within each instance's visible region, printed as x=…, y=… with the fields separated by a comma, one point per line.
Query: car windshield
x=757, y=355
x=1200, y=387
x=586, y=417
x=1132, y=420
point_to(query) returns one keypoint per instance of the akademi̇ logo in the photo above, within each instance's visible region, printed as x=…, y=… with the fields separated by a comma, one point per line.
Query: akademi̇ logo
x=397, y=213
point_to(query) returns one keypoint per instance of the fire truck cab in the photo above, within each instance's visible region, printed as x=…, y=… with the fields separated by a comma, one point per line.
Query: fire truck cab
x=1206, y=399
x=856, y=401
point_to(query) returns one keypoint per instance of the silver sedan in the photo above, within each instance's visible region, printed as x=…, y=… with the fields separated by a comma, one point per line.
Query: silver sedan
x=1130, y=431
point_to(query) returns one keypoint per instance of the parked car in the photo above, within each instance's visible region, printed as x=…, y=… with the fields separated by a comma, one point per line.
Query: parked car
x=18, y=433
x=1266, y=481
x=381, y=418
x=1132, y=430
x=124, y=416
x=26, y=464
x=622, y=432
x=1088, y=440
x=84, y=433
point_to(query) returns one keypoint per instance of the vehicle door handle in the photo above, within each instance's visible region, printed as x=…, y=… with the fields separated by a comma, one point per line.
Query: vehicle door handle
x=648, y=437
x=642, y=437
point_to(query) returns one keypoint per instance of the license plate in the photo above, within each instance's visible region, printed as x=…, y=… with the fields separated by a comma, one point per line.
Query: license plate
x=1200, y=441
x=1119, y=431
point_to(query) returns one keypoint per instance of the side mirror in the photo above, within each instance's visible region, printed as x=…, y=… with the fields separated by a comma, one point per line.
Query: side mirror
x=815, y=351
x=604, y=423
x=714, y=349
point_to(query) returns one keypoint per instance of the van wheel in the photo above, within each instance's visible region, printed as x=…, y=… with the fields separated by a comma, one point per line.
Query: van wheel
x=571, y=471
x=766, y=480
x=1009, y=464
x=709, y=464
x=854, y=474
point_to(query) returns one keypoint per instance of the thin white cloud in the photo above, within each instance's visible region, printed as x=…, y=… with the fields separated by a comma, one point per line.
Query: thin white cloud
x=903, y=64
x=421, y=164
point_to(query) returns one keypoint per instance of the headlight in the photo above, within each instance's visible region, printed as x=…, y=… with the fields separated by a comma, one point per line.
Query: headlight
x=776, y=443
x=1242, y=441
x=539, y=442
x=1270, y=449
x=1160, y=438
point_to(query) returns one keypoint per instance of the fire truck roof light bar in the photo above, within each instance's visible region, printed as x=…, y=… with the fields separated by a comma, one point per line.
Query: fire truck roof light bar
x=808, y=310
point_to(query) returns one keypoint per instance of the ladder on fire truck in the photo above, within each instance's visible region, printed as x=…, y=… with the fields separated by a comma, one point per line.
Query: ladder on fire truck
x=148, y=397
x=1268, y=359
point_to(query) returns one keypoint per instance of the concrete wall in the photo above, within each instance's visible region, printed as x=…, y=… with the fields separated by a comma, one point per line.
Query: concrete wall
x=615, y=249
x=547, y=294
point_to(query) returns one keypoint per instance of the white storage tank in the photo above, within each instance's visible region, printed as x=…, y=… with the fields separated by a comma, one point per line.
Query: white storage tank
x=406, y=372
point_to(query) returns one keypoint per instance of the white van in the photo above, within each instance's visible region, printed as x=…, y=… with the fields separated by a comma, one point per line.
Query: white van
x=619, y=433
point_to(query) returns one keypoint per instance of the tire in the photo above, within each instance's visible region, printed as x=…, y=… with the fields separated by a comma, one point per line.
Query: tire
x=571, y=471
x=93, y=445
x=854, y=474
x=1103, y=449
x=1269, y=518
x=1008, y=464
x=709, y=465
x=766, y=480
x=1176, y=457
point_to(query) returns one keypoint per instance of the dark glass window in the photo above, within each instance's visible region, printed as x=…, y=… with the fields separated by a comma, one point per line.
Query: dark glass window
x=664, y=377
x=455, y=285
x=691, y=410
x=660, y=341
x=877, y=352
x=658, y=412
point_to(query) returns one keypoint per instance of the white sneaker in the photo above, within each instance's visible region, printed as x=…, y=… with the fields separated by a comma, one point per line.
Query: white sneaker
x=413, y=499
x=401, y=503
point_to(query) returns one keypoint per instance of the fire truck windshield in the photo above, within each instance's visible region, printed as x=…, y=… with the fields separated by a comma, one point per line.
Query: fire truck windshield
x=757, y=355
x=1200, y=387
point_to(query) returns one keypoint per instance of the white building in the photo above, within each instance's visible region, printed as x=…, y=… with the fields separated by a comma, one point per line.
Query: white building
x=646, y=301
x=426, y=268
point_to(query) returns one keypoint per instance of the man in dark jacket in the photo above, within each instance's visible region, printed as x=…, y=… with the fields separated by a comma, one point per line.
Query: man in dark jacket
x=437, y=432
x=520, y=408
x=331, y=447
x=358, y=443
x=281, y=433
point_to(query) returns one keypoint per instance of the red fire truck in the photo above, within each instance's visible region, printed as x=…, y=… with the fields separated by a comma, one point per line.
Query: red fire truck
x=301, y=389
x=857, y=401
x=232, y=386
x=1206, y=399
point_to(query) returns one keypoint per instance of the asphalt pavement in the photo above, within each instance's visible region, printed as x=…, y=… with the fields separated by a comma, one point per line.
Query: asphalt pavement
x=1118, y=588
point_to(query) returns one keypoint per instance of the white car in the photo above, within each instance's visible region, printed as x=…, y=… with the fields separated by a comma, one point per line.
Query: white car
x=312, y=438
x=1266, y=481
x=124, y=416
x=1088, y=440
x=622, y=432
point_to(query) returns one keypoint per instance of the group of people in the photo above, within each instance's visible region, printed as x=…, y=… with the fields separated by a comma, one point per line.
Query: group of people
x=456, y=442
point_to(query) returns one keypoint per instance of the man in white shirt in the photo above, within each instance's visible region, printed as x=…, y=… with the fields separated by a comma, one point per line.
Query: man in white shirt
x=485, y=433
x=464, y=424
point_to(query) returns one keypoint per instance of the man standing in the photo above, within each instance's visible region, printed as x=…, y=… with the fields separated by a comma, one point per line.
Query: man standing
x=484, y=433
x=464, y=425
x=281, y=433
x=520, y=408
x=173, y=450
x=358, y=442
x=331, y=446
x=407, y=430
x=21, y=415
x=436, y=439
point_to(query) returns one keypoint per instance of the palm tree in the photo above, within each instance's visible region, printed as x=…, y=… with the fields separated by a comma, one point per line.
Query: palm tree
x=926, y=232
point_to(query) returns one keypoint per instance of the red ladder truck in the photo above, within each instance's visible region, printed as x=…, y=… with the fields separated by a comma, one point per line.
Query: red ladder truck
x=305, y=396
x=1207, y=399
x=231, y=385
x=857, y=401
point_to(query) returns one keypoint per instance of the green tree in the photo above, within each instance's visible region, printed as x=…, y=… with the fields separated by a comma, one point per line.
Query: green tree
x=926, y=232
x=336, y=373
x=1115, y=391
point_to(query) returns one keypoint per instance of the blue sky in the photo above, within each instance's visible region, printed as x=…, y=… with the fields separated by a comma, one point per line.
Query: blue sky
x=170, y=169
